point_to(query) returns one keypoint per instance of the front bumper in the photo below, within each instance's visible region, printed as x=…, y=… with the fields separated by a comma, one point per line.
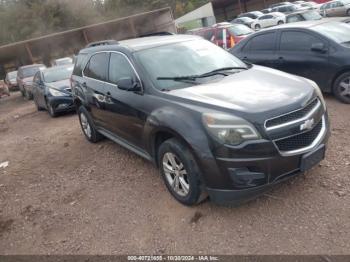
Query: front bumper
x=243, y=174
x=62, y=104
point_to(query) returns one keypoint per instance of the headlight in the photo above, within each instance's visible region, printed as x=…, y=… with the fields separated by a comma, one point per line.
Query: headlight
x=229, y=129
x=55, y=92
x=318, y=92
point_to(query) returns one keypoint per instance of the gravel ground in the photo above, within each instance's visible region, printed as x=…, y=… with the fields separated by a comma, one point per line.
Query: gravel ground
x=62, y=195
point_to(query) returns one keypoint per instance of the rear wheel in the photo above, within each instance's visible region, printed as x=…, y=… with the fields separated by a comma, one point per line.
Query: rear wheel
x=88, y=126
x=180, y=172
x=257, y=27
x=280, y=23
x=341, y=88
x=28, y=95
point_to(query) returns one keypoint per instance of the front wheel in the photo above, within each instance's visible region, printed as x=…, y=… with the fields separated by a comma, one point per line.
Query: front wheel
x=280, y=23
x=51, y=110
x=180, y=172
x=257, y=27
x=28, y=95
x=341, y=88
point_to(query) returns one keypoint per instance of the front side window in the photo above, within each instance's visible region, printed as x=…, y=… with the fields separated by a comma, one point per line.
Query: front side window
x=119, y=67
x=294, y=18
x=297, y=41
x=188, y=58
x=97, y=67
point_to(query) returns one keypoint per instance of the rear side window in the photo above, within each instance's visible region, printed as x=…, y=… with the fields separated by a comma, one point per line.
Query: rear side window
x=297, y=41
x=119, y=68
x=263, y=42
x=79, y=64
x=97, y=67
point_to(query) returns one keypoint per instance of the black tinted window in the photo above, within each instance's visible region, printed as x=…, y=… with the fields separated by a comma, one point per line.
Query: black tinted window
x=265, y=42
x=97, y=67
x=119, y=68
x=297, y=41
x=79, y=63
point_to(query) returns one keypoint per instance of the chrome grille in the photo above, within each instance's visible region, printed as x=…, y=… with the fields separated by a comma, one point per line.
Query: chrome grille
x=293, y=116
x=299, y=141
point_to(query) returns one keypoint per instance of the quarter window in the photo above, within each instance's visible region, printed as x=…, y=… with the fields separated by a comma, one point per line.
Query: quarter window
x=97, y=68
x=119, y=68
x=297, y=41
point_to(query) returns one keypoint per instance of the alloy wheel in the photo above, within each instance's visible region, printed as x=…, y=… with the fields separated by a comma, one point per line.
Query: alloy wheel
x=176, y=174
x=85, y=125
x=344, y=88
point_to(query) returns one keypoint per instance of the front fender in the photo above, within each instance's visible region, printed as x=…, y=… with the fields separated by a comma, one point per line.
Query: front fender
x=187, y=126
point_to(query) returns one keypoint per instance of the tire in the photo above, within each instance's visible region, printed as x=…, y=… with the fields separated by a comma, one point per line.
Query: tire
x=348, y=12
x=280, y=23
x=182, y=178
x=257, y=27
x=86, y=124
x=51, y=110
x=39, y=108
x=341, y=88
x=28, y=95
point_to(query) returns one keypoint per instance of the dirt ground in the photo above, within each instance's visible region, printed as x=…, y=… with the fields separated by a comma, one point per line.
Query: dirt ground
x=62, y=195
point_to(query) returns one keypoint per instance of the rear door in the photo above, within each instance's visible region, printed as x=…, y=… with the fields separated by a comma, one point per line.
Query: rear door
x=296, y=57
x=261, y=50
x=95, y=77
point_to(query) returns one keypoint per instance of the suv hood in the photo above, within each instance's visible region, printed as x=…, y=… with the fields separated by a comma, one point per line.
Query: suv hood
x=259, y=89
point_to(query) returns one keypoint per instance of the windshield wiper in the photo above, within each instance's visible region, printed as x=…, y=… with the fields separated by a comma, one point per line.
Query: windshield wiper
x=193, y=78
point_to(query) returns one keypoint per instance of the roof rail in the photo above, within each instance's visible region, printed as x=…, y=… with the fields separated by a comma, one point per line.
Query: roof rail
x=104, y=42
x=164, y=33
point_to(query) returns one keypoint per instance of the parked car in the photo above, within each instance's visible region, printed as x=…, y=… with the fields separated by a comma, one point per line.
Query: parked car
x=268, y=20
x=63, y=61
x=285, y=9
x=225, y=35
x=25, y=78
x=317, y=50
x=247, y=21
x=211, y=123
x=310, y=5
x=308, y=15
x=252, y=15
x=4, y=89
x=11, y=80
x=266, y=11
x=336, y=8
x=52, y=91
x=279, y=4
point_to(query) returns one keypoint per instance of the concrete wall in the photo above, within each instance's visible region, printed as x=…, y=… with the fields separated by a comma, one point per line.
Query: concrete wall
x=204, y=13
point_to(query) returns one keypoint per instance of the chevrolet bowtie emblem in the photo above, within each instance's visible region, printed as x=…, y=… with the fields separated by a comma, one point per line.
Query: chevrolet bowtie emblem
x=307, y=125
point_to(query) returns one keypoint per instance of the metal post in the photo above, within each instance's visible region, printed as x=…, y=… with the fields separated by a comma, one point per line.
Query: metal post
x=240, y=6
x=29, y=52
x=85, y=37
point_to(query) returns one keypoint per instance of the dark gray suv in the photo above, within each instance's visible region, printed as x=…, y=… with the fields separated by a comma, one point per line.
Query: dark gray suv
x=211, y=123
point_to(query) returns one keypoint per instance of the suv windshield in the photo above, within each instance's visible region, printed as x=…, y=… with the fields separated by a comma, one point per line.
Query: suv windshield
x=57, y=74
x=31, y=71
x=338, y=32
x=238, y=30
x=184, y=59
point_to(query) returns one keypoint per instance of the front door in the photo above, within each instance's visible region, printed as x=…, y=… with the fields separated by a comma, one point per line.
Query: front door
x=126, y=117
x=297, y=56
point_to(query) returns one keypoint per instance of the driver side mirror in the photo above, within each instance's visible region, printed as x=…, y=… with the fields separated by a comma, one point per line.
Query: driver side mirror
x=319, y=47
x=128, y=84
